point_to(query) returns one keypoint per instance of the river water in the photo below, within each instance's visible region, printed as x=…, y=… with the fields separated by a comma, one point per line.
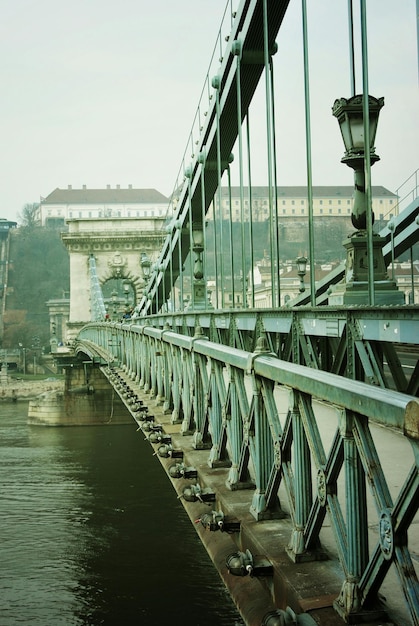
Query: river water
x=91, y=533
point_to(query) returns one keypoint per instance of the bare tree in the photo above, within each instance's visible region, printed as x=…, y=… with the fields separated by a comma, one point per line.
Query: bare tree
x=29, y=217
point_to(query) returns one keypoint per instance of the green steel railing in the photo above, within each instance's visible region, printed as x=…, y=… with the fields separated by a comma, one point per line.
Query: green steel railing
x=292, y=436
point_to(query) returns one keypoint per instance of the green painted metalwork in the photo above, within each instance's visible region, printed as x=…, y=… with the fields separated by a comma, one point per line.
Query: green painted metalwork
x=367, y=153
x=207, y=128
x=260, y=415
x=377, y=345
x=308, y=155
x=269, y=131
x=237, y=51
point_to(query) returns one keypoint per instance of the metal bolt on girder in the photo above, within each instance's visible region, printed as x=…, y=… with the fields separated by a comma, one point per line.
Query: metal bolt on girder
x=216, y=521
x=179, y=470
x=243, y=564
x=166, y=450
x=194, y=493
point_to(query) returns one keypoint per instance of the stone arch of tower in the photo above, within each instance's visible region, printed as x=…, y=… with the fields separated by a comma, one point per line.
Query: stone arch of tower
x=117, y=245
x=136, y=281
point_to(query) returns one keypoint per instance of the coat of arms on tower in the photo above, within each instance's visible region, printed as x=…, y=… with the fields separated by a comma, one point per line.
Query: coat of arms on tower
x=117, y=264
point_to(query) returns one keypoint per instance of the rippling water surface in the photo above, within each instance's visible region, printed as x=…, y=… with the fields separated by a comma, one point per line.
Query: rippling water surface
x=92, y=533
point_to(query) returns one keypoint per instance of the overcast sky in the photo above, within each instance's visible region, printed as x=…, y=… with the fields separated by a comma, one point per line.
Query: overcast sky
x=98, y=92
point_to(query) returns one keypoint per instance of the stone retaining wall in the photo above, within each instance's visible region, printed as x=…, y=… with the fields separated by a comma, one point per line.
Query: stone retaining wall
x=15, y=390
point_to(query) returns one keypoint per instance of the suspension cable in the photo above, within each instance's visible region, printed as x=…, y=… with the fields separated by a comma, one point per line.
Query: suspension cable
x=308, y=158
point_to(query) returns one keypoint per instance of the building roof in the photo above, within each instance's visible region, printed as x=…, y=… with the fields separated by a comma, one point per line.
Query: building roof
x=322, y=191
x=105, y=196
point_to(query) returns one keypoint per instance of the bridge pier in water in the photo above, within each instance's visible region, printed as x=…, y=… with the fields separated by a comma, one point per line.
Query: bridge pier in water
x=86, y=400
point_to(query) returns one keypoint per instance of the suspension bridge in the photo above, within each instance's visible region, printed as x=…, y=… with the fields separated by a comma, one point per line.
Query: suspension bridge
x=290, y=433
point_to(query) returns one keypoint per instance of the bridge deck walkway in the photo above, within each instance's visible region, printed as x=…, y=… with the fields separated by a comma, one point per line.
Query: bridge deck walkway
x=306, y=587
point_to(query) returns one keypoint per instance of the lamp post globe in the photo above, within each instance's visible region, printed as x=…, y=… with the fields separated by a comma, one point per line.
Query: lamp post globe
x=350, y=115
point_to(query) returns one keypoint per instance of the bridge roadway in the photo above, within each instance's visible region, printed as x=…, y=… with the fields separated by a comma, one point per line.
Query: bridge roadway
x=310, y=587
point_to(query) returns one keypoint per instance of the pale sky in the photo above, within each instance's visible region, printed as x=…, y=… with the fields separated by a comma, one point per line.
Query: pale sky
x=98, y=92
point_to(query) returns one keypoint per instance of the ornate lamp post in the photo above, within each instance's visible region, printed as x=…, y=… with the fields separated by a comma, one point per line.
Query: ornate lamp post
x=302, y=269
x=145, y=269
x=350, y=115
x=355, y=288
x=198, y=300
x=114, y=296
x=145, y=266
x=126, y=287
x=53, y=342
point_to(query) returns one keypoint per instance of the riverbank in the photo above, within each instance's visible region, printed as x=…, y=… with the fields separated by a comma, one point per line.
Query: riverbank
x=19, y=389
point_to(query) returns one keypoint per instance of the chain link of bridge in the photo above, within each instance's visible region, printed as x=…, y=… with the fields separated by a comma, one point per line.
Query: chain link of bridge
x=290, y=433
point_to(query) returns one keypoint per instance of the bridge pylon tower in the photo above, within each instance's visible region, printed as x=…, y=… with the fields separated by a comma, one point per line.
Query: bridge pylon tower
x=117, y=245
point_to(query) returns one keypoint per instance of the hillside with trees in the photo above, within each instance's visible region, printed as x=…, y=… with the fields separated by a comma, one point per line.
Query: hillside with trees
x=38, y=271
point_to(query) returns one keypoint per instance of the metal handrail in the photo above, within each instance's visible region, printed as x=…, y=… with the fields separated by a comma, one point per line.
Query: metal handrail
x=246, y=410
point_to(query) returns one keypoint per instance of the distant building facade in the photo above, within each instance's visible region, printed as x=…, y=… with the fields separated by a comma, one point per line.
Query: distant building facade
x=292, y=202
x=64, y=204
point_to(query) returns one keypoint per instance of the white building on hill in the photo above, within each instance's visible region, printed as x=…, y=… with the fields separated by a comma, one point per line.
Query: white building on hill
x=292, y=202
x=63, y=204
